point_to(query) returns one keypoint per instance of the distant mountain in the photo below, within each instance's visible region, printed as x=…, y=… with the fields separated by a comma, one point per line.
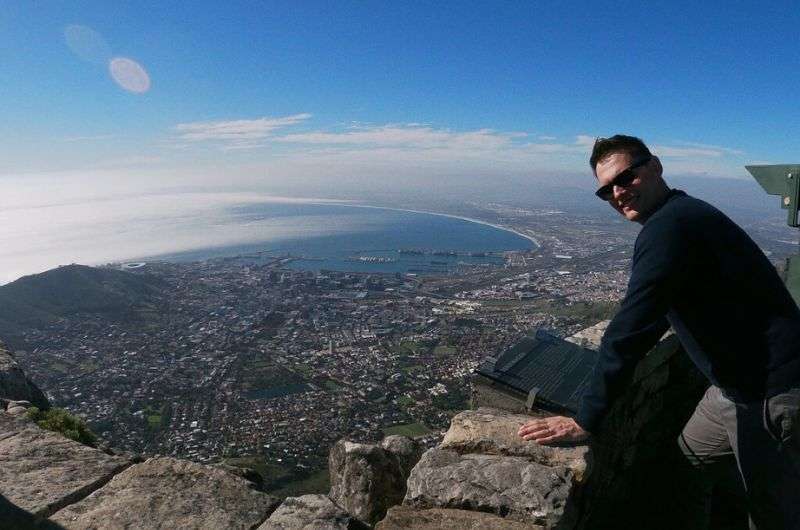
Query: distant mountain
x=40, y=299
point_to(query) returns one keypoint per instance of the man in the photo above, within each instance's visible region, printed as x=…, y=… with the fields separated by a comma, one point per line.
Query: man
x=696, y=270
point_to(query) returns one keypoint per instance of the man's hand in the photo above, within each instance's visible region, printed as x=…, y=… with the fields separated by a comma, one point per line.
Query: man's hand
x=553, y=429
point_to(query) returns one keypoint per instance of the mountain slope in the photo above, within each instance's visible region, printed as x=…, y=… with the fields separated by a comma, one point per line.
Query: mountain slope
x=40, y=299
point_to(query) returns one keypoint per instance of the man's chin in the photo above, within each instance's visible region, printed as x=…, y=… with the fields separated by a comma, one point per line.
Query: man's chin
x=629, y=214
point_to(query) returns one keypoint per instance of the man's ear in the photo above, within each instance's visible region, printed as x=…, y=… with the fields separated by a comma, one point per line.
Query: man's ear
x=658, y=167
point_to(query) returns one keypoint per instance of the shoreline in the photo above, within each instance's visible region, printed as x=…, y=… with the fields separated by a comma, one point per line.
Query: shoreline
x=452, y=216
x=533, y=240
x=140, y=258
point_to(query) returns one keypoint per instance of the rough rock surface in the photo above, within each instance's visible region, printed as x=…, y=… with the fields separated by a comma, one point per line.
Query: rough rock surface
x=311, y=512
x=367, y=479
x=15, y=385
x=494, y=432
x=170, y=493
x=510, y=486
x=407, y=518
x=590, y=337
x=42, y=471
x=405, y=451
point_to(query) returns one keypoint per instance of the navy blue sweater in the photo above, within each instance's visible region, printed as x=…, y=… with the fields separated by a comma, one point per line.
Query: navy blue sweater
x=695, y=269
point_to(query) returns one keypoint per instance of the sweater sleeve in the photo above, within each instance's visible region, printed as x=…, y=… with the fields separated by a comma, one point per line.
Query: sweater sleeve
x=658, y=271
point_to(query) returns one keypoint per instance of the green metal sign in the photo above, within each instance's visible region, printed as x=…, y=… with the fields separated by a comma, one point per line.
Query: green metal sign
x=784, y=180
x=781, y=180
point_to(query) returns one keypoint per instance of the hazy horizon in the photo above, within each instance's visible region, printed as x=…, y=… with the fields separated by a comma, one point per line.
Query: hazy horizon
x=118, y=117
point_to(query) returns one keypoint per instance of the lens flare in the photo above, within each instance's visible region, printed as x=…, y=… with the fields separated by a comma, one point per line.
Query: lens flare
x=87, y=44
x=129, y=74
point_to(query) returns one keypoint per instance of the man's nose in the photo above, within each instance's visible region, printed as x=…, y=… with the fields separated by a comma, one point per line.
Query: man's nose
x=618, y=191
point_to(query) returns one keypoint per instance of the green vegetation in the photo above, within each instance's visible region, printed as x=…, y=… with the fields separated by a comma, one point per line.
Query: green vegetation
x=588, y=311
x=411, y=430
x=157, y=416
x=413, y=347
x=303, y=369
x=456, y=399
x=260, y=378
x=44, y=298
x=405, y=401
x=60, y=367
x=444, y=350
x=331, y=385
x=414, y=368
x=88, y=366
x=285, y=480
x=316, y=482
x=61, y=421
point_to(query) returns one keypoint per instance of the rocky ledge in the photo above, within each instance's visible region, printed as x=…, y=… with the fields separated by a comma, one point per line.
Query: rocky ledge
x=15, y=385
x=49, y=481
x=482, y=467
x=481, y=476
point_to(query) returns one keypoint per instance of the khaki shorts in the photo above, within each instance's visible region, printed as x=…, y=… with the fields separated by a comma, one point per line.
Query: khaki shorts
x=764, y=439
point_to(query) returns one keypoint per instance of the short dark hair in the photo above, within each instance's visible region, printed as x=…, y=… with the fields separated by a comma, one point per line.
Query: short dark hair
x=631, y=145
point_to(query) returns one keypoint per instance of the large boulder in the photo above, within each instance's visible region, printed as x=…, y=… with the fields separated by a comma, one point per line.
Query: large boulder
x=494, y=432
x=311, y=512
x=407, y=518
x=510, y=486
x=367, y=479
x=42, y=471
x=15, y=385
x=170, y=493
x=405, y=452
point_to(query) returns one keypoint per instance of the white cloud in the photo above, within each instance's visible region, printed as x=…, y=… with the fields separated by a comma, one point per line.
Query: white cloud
x=406, y=135
x=585, y=140
x=239, y=133
x=666, y=151
x=726, y=150
x=88, y=138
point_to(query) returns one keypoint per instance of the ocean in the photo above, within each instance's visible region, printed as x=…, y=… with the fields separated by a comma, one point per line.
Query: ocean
x=360, y=239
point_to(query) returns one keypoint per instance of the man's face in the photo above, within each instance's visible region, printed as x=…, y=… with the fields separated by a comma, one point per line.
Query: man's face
x=637, y=200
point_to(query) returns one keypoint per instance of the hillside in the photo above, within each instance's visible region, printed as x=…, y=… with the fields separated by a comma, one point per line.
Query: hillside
x=40, y=299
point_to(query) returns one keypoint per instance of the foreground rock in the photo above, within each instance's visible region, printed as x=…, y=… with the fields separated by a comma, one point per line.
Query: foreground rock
x=15, y=385
x=367, y=479
x=170, y=493
x=311, y=512
x=513, y=487
x=482, y=465
x=494, y=432
x=42, y=471
x=407, y=518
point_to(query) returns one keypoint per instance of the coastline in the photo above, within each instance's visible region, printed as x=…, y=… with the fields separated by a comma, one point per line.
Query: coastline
x=452, y=216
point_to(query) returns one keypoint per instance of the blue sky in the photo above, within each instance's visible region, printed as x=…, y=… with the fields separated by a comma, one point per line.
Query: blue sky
x=303, y=97
x=681, y=75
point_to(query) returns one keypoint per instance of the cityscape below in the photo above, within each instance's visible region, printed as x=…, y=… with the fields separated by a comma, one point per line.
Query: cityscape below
x=251, y=361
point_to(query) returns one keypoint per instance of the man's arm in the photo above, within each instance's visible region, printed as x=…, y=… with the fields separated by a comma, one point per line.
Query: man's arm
x=659, y=267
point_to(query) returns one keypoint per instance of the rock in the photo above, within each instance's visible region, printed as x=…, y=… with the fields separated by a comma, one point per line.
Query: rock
x=590, y=337
x=250, y=475
x=405, y=450
x=170, y=493
x=16, y=411
x=14, y=385
x=42, y=471
x=366, y=479
x=407, y=518
x=311, y=512
x=510, y=486
x=494, y=432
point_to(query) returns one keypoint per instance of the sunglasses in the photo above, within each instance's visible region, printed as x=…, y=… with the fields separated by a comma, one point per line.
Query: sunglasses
x=623, y=180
